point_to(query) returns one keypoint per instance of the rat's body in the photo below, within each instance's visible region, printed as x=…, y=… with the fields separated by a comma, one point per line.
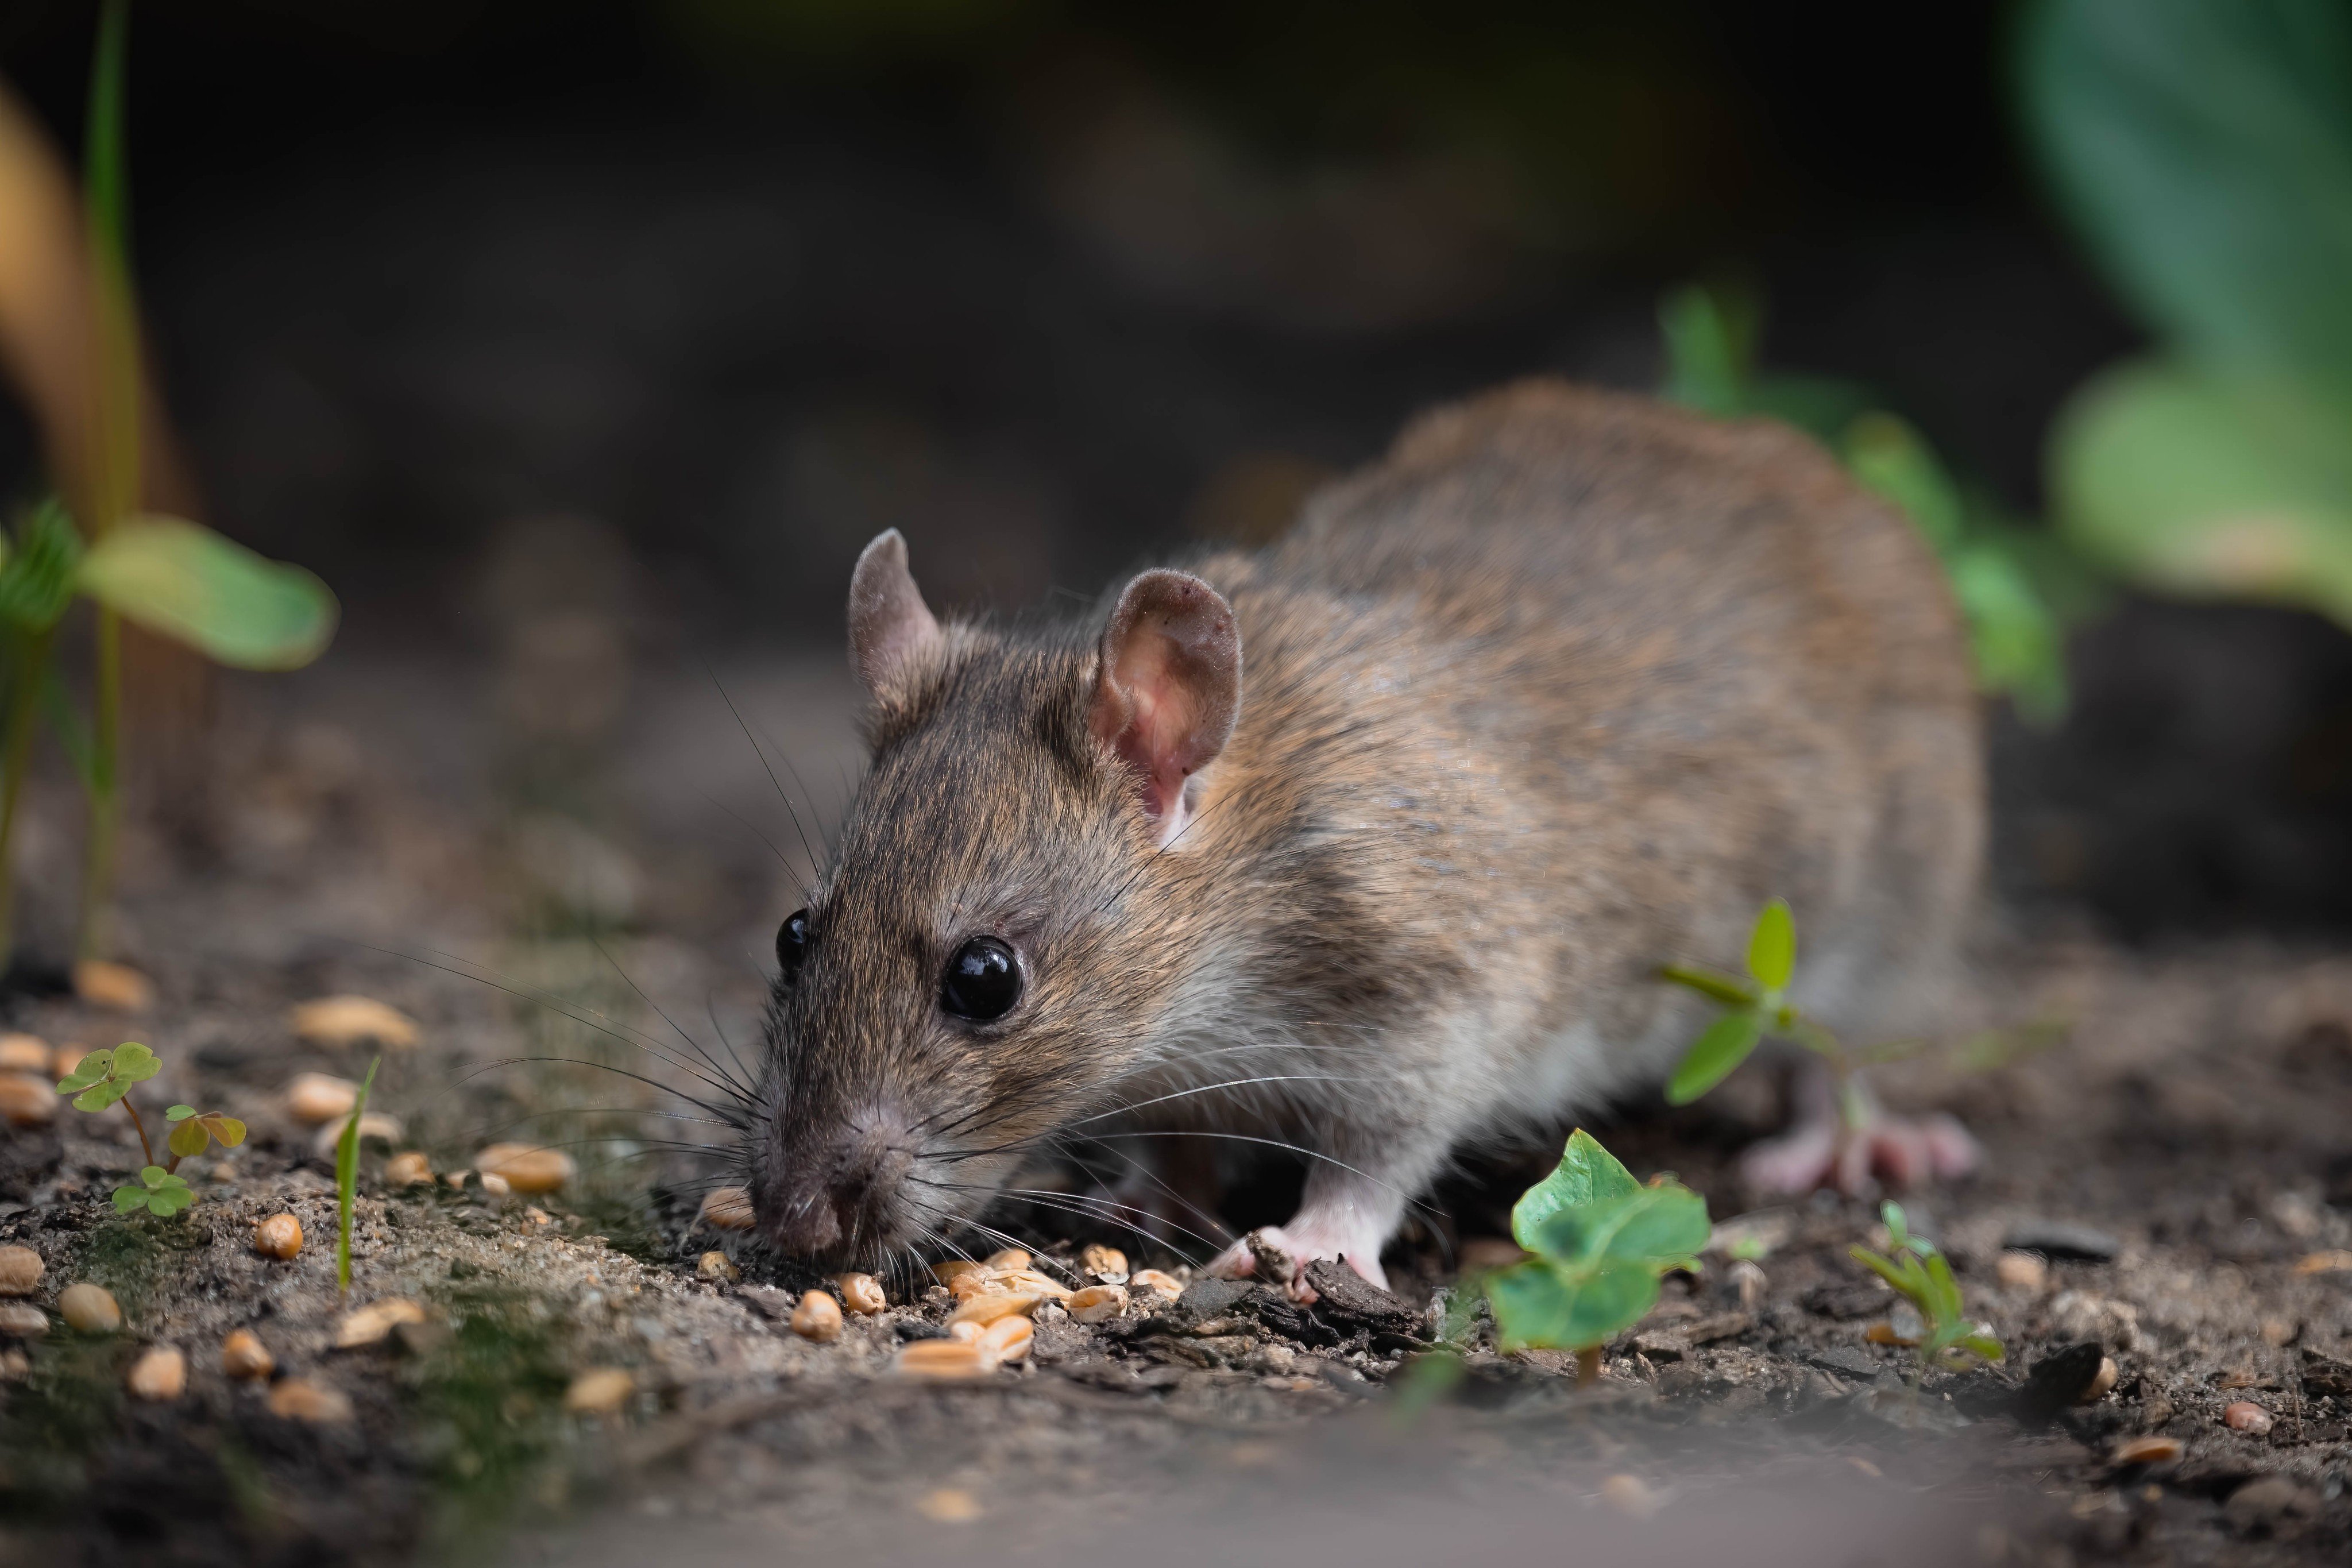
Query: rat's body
x=1563, y=690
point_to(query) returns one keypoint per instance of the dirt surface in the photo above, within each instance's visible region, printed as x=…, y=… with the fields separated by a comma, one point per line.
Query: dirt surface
x=2178, y=1167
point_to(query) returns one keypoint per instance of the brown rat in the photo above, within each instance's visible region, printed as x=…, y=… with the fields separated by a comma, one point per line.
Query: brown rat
x=1371, y=842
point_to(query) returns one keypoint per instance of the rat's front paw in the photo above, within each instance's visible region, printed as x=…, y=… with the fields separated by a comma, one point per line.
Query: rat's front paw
x=1279, y=1256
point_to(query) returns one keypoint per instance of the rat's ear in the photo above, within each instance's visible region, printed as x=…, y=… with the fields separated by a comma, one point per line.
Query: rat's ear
x=890, y=624
x=1170, y=687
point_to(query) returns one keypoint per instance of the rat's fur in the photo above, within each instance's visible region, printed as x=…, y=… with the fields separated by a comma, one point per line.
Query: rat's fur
x=1565, y=687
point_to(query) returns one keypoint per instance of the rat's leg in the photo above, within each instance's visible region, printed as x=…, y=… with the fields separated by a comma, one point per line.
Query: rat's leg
x=1820, y=1149
x=1348, y=1212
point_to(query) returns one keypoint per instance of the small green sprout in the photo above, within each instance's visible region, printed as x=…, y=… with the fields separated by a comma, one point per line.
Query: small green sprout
x=346, y=1179
x=159, y=1192
x=103, y=1079
x=1921, y=1275
x=1601, y=1241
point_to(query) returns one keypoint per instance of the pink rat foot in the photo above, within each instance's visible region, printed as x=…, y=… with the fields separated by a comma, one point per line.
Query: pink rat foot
x=1822, y=1151
x=1280, y=1256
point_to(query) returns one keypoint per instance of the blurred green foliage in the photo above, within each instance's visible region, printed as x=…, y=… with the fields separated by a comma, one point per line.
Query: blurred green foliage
x=2017, y=587
x=2204, y=150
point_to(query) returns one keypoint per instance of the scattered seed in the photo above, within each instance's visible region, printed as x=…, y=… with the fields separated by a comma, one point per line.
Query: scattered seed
x=949, y=1505
x=942, y=1361
x=1043, y=1284
x=948, y=1272
x=2101, y=1383
x=1161, y=1284
x=1009, y=1260
x=280, y=1236
x=987, y=1310
x=1007, y=1339
x=818, y=1318
x=15, y=1364
x=243, y=1355
x=373, y=1124
x=1107, y=1264
x=2021, y=1271
x=20, y=1270
x=408, y=1169
x=457, y=1180
x=23, y=1053
x=1748, y=1282
x=1097, y=1303
x=2247, y=1417
x=1630, y=1495
x=162, y=1374
x=2147, y=1451
x=964, y=1286
x=527, y=1168
x=300, y=1399
x=727, y=1209
x=537, y=1215
x=718, y=1267
x=498, y=1186
x=350, y=1020
x=1886, y=1334
x=23, y=1320
x=964, y=1333
x=26, y=1101
x=316, y=1097
x=371, y=1323
x=90, y=1308
x=2334, y=1262
x=117, y=987
x=600, y=1391
x=862, y=1293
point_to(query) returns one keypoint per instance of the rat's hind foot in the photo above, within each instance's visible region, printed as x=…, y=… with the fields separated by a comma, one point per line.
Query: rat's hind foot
x=1822, y=1150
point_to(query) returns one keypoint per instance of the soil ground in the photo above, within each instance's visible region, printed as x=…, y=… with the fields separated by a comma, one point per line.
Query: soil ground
x=2178, y=1161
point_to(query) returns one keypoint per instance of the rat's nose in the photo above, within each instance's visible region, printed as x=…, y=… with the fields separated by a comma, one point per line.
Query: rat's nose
x=835, y=1201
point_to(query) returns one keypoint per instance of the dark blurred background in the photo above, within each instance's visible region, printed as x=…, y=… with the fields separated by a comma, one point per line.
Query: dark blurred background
x=710, y=291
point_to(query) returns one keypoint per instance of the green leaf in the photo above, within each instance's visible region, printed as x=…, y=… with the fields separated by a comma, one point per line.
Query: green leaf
x=1710, y=337
x=1890, y=458
x=93, y=1067
x=228, y=1129
x=169, y=1201
x=1985, y=1345
x=1541, y=1305
x=2208, y=488
x=188, y=1139
x=1712, y=1056
x=1903, y=1276
x=1659, y=1227
x=99, y=1096
x=1716, y=987
x=2204, y=151
x=184, y=580
x=156, y=1176
x=347, y=1176
x=1898, y=1233
x=36, y=582
x=128, y=1198
x=1772, y=946
x=1586, y=1174
x=179, y=1113
x=134, y=1063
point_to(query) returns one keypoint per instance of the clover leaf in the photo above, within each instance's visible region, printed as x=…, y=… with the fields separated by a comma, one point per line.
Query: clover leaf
x=159, y=1192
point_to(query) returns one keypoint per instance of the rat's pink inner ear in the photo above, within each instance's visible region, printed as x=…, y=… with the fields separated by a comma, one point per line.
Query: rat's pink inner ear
x=1170, y=687
x=890, y=627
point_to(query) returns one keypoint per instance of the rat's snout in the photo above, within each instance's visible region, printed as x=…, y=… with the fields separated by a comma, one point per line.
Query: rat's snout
x=835, y=1197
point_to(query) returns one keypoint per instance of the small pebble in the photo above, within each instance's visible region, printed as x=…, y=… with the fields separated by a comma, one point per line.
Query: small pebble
x=90, y=1308
x=600, y=1391
x=1747, y=1281
x=350, y=1020
x=1157, y=1283
x=315, y=1097
x=727, y=1209
x=818, y=1318
x=862, y=1294
x=15, y=1364
x=2021, y=1271
x=20, y=1270
x=371, y=1323
x=117, y=987
x=278, y=1236
x=300, y=1399
x=23, y=1320
x=949, y=1505
x=1097, y=1303
x=1107, y=1264
x=408, y=1169
x=2247, y=1417
x=526, y=1167
x=23, y=1053
x=718, y=1267
x=2101, y=1385
x=161, y=1375
x=942, y=1361
x=26, y=1101
x=243, y=1355
x=2147, y=1451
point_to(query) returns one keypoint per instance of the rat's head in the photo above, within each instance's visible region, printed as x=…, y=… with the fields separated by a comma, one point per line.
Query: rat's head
x=999, y=931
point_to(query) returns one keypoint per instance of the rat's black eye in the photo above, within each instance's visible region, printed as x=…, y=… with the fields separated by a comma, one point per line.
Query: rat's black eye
x=792, y=944
x=982, y=981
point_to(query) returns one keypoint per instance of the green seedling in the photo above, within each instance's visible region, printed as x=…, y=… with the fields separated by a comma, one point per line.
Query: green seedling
x=346, y=1179
x=1602, y=1242
x=1922, y=1276
x=102, y=1079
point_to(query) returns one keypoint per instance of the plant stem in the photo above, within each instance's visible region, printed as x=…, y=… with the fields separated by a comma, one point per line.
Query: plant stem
x=1588, y=1367
x=16, y=761
x=105, y=731
x=144, y=1147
